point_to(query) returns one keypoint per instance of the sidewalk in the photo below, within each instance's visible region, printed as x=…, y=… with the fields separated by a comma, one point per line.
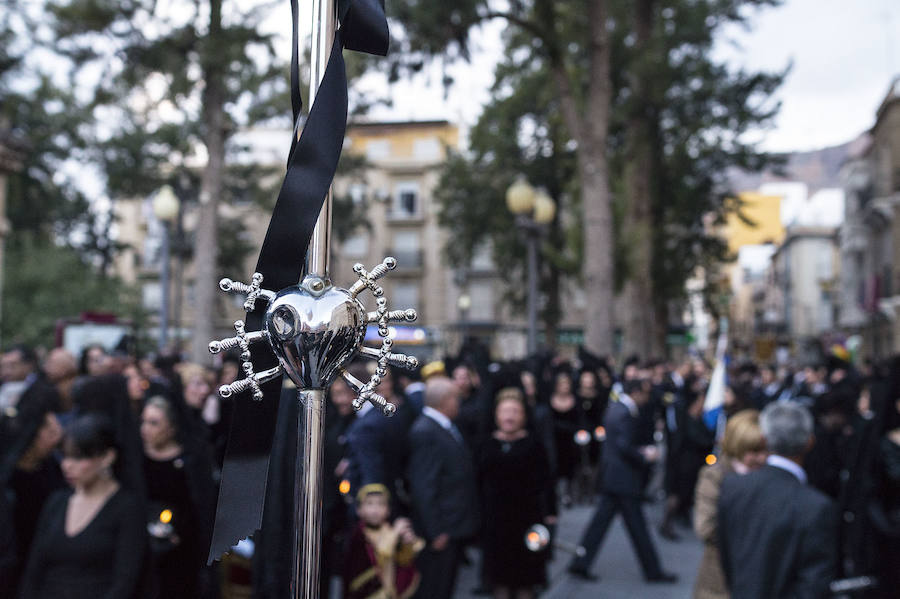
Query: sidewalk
x=616, y=565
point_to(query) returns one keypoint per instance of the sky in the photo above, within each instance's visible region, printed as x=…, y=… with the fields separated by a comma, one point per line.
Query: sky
x=842, y=53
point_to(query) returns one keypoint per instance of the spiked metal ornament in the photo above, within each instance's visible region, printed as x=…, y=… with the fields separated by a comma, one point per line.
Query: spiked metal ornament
x=315, y=330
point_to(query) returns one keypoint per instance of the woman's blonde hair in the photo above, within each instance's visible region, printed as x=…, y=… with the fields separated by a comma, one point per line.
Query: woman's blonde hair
x=188, y=370
x=743, y=434
x=510, y=393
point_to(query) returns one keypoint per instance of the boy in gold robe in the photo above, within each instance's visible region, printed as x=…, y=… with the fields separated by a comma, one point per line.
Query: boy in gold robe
x=380, y=556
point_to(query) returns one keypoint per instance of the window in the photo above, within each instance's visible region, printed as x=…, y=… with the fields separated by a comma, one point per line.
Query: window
x=356, y=245
x=482, y=294
x=357, y=193
x=427, y=149
x=405, y=295
x=406, y=241
x=406, y=200
x=406, y=249
x=378, y=149
x=824, y=262
x=482, y=258
x=151, y=295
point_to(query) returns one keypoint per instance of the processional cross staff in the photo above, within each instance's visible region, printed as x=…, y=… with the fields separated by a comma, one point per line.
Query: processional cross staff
x=312, y=329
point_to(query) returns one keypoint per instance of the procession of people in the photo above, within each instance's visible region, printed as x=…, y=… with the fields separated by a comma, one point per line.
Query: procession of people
x=109, y=475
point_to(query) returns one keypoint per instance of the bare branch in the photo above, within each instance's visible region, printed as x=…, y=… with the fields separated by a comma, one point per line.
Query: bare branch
x=566, y=92
x=517, y=20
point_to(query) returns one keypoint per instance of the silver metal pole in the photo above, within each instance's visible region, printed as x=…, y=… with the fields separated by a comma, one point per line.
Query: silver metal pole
x=532, y=292
x=308, y=481
x=308, y=495
x=324, y=17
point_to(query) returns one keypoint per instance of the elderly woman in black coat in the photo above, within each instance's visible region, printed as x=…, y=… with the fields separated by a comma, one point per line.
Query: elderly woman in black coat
x=516, y=491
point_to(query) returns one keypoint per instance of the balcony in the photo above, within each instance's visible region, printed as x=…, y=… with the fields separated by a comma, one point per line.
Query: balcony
x=408, y=261
x=395, y=216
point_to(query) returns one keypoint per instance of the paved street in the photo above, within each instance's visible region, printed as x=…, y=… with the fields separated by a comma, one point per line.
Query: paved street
x=616, y=565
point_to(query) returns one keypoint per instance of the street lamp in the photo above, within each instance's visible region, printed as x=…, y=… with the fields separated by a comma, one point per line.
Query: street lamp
x=165, y=209
x=533, y=209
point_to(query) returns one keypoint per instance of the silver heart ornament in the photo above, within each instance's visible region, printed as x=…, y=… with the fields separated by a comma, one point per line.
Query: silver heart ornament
x=315, y=329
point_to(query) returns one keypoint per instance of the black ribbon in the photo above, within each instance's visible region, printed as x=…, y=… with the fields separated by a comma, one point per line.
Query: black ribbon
x=312, y=163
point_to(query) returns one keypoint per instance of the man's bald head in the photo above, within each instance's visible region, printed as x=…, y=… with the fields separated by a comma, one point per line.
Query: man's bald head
x=60, y=364
x=442, y=394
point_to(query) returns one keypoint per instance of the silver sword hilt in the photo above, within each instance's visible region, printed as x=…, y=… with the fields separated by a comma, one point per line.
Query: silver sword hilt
x=252, y=382
x=365, y=393
x=253, y=290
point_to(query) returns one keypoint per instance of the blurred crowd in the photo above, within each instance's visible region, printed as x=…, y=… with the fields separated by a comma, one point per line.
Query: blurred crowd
x=110, y=466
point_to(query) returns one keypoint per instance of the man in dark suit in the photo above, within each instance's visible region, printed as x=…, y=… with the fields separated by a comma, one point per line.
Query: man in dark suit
x=442, y=488
x=377, y=446
x=623, y=467
x=22, y=382
x=778, y=535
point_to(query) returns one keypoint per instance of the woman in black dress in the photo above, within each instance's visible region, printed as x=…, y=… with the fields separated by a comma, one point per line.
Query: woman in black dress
x=567, y=420
x=516, y=488
x=29, y=472
x=90, y=540
x=179, y=494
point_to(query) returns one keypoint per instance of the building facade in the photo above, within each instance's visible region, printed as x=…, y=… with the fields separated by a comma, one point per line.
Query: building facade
x=870, y=237
x=394, y=193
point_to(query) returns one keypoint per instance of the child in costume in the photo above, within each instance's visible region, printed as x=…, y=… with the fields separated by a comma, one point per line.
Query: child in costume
x=379, y=562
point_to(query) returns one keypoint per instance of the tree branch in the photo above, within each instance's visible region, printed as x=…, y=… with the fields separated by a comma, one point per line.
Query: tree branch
x=573, y=119
x=516, y=20
x=566, y=94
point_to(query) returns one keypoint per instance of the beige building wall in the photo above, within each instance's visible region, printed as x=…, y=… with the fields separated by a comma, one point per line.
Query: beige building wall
x=397, y=188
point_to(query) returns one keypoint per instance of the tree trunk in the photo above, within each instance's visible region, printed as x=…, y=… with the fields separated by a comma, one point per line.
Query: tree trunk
x=598, y=248
x=599, y=273
x=640, y=326
x=206, y=247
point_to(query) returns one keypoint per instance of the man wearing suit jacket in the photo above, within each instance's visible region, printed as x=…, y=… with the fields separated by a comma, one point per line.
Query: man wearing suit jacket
x=623, y=467
x=777, y=534
x=442, y=488
x=376, y=446
x=22, y=382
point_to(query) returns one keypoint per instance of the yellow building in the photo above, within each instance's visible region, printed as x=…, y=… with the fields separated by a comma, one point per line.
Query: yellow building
x=758, y=222
x=422, y=142
x=763, y=211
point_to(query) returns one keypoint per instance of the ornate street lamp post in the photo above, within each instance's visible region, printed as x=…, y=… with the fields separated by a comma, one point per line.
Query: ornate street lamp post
x=534, y=210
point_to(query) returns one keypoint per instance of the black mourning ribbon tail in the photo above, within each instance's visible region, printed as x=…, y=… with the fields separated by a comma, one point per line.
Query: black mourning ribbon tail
x=311, y=167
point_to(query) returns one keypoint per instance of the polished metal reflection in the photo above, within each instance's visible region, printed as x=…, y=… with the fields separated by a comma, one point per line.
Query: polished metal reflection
x=538, y=537
x=315, y=329
x=308, y=487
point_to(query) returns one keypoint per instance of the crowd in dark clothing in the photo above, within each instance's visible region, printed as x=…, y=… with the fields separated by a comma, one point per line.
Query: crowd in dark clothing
x=108, y=477
x=477, y=453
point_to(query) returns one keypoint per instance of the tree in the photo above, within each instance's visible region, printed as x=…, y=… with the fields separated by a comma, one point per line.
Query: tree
x=43, y=204
x=58, y=244
x=178, y=83
x=570, y=40
x=472, y=187
x=649, y=114
x=44, y=282
x=681, y=118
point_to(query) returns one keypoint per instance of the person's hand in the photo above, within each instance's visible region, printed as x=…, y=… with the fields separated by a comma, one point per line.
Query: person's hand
x=341, y=467
x=403, y=528
x=440, y=542
x=650, y=453
x=695, y=410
